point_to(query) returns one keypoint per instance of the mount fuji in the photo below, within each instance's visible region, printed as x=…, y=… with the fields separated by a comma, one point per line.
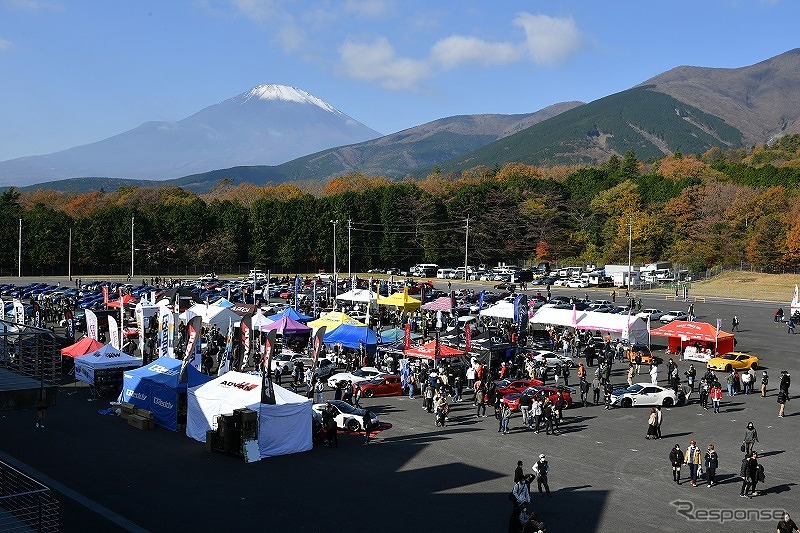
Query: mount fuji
x=268, y=125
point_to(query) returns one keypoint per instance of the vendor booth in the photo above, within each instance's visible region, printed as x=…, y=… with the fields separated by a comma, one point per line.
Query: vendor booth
x=352, y=337
x=619, y=326
x=287, y=326
x=212, y=315
x=699, y=335
x=401, y=300
x=333, y=320
x=501, y=309
x=390, y=336
x=290, y=312
x=283, y=428
x=82, y=347
x=127, y=301
x=156, y=388
x=359, y=296
x=428, y=351
x=103, y=369
x=557, y=317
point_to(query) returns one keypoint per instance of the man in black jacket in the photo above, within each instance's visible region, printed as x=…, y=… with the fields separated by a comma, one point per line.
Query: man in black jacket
x=710, y=463
x=749, y=473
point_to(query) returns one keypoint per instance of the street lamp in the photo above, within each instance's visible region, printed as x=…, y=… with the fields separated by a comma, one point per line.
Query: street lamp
x=335, y=276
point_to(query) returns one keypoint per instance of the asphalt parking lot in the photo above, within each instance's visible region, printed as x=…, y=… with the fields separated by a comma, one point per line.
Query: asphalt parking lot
x=604, y=475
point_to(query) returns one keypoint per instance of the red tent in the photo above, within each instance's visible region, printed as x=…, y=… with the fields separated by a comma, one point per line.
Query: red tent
x=428, y=351
x=680, y=333
x=127, y=299
x=82, y=347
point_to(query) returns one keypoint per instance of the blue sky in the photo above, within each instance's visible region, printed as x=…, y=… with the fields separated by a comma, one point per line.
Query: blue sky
x=78, y=71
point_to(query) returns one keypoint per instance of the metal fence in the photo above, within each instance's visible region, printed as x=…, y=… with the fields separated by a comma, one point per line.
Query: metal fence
x=25, y=504
x=30, y=351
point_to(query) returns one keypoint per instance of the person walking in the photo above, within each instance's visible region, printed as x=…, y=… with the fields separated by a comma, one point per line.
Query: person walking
x=749, y=473
x=790, y=326
x=691, y=375
x=746, y=382
x=631, y=372
x=480, y=400
x=750, y=438
x=536, y=409
x=676, y=460
x=710, y=463
x=731, y=379
x=783, y=391
x=584, y=388
x=659, y=419
x=519, y=473
x=319, y=388
x=651, y=425
x=764, y=383
x=367, y=421
x=716, y=395
x=521, y=494
x=654, y=373
x=692, y=459
x=596, y=390
x=704, y=391
x=505, y=416
x=542, y=469
x=525, y=404
x=735, y=323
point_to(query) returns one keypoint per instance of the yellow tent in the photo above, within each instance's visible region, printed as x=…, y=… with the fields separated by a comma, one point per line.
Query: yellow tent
x=333, y=320
x=401, y=299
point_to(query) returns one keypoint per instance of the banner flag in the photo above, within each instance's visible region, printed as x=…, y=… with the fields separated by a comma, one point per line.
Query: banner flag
x=105, y=295
x=437, y=353
x=37, y=315
x=91, y=324
x=267, y=391
x=719, y=326
x=225, y=362
x=406, y=336
x=70, y=324
x=521, y=311
x=314, y=297
x=468, y=337
x=113, y=333
x=296, y=291
x=481, y=296
x=163, y=331
x=245, y=331
x=193, y=331
x=453, y=303
x=2, y=309
x=140, y=326
x=19, y=312
x=318, y=345
x=369, y=300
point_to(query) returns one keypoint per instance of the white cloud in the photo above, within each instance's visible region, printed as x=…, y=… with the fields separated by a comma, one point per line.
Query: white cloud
x=4, y=45
x=31, y=5
x=377, y=61
x=458, y=50
x=549, y=40
x=272, y=15
x=369, y=8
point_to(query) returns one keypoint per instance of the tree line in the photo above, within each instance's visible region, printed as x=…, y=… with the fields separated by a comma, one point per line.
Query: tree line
x=701, y=210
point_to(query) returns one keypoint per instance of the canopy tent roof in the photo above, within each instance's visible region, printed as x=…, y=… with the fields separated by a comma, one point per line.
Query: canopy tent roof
x=223, y=302
x=428, y=351
x=442, y=303
x=626, y=326
x=502, y=309
x=351, y=336
x=396, y=334
x=82, y=347
x=557, y=317
x=691, y=331
x=259, y=320
x=333, y=320
x=286, y=325
x=292, y=313
x=127, y=300
x=358, y=295
x=183, y=293
x=282, y=428
x=212, y=314
x=105, y=358
x=401, y=299
x=155, y=387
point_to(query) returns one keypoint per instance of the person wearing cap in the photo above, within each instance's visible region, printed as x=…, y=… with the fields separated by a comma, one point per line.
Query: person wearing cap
x=541, y=468
x=692, y=458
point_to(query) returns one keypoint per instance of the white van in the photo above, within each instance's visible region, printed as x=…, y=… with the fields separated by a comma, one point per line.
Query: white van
x=445, y=273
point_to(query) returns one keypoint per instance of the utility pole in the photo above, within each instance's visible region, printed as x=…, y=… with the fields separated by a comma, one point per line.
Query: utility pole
x=19, y=254
x=335, y=275
x=132, y=247
x=69, y=255
x=630, y=240
x=349, y=267
x=466, y=249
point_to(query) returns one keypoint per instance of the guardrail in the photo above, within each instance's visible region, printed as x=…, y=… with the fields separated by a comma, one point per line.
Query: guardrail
x=25, y=504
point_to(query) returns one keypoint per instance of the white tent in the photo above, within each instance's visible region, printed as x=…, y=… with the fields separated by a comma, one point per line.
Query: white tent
x=631, y=328
x=260, y=320
x=282, y=428
x=557, y=317
x=105, y=358
x=501, y=309
x=212, y=314
x=358, y=295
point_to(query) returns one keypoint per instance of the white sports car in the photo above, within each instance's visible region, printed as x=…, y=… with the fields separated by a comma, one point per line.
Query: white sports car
x=362, y=374
x=346, y=416
x=644, y=394
x=551, y=359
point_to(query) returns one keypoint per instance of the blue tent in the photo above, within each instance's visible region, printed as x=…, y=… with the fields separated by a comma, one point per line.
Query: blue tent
x=352, y=336
x=156, y=387
x=291, y=313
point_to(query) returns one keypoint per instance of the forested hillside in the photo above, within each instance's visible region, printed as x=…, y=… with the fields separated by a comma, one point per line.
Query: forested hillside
x=698, y=210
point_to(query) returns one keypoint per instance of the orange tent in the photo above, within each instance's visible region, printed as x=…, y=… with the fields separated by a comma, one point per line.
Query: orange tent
x=82, y=347
x=428, y=351
x=680, y=333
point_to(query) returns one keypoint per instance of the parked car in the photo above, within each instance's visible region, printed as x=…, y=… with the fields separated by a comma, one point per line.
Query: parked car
x=577, y=283
x=551, y=359
x=345, y=415
x=507, y=386
x=512, y=400
x=389, y=385
x=640, y=394
x=362, y=374
x=669, y=316
x=733, y=361
x=653, y=314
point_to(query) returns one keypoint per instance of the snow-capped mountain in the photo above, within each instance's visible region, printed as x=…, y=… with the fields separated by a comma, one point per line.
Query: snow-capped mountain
x=268, y=125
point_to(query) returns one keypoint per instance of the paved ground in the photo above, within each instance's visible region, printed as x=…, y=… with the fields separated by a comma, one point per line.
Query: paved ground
x=605, y=476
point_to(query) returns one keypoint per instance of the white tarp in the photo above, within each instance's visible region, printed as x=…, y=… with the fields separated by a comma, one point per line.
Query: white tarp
x=106, y=357
x=358, y=295
x=631, y=328
x=557, y=317
x=212, y=314
x=282, y=428
x=500, y=310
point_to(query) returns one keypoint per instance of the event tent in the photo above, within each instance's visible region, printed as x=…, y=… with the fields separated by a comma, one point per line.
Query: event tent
x=401, y=300
x=333, y=320
x=259, y=320
x=443, y=303
x=680, y=333
x=212, y=314
x=127, y=300
x=223, y=302
x=155, y=387
x=428, y=351
x=286, y=326
x=358, y=295
x=351, y=336
x=502, y=309
x=624, y=326
x=82, y=347
x=396, y=334
x=557, y=317
x=282, y=428
x=105, y=358
x=291, y=312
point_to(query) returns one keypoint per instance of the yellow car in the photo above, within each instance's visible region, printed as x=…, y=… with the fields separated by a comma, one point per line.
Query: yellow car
x=733, y=361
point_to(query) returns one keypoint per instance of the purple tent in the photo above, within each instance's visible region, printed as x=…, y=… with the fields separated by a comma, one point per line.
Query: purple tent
x=286, y=325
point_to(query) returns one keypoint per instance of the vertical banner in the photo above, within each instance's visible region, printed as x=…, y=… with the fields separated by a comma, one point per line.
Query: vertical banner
x=369, y=301
x=225, y=362
x=37, y=315
x=19, y=312
x=481, y=296
x=105, y=295
x=317, y=345
x=139, y=315
x=521, y=312
x=437, y=353
x=453, y=303
x=422, y=291
x=468, y=337
x=2, y=309
x=406, y=336
x=113, y=333
x=245, y=331
x=164, y=331
x=296, y=291
x=91, y=324
x=121, y=313
x=70, y=324
x=314, y=297
x=267, y=391
x=193, y=328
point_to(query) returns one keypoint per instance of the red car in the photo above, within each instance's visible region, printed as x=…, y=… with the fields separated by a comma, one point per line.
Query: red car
x=506, y=386
x=512, y=400
x=389, y=385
